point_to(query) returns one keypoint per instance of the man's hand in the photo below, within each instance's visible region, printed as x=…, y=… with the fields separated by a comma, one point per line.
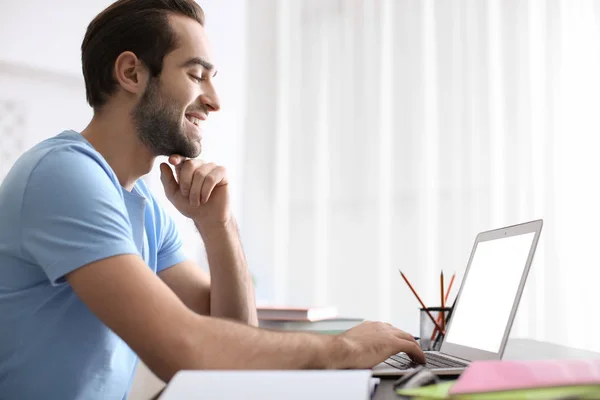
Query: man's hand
x=370, y=343
x=200, y=191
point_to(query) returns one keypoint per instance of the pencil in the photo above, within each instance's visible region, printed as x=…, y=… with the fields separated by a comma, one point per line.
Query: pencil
x=442, y=313
x=439, y=320
x=422, y=304
x=449, y=288
x=440, y=336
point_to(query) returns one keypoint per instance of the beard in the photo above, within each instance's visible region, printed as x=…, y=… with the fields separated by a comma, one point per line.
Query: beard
x=159, y=127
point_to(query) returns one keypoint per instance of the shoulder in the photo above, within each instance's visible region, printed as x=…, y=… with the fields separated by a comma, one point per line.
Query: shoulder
x=66, y=173
x=64, y=166
x=73, y=210
x=60, y=166
x=66, y=160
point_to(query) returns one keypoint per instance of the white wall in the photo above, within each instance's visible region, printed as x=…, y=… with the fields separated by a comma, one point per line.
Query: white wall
x=46, y=104
x=46, y=34
x=40, y=69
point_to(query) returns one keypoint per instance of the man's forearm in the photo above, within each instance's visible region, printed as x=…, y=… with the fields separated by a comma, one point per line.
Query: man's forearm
x=231, y=287
x=215, y=343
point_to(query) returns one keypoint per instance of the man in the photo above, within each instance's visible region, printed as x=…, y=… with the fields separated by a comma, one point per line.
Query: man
x=92, y=274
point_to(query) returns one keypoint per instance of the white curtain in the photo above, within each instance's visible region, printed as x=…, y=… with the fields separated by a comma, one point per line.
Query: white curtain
x=385, y=134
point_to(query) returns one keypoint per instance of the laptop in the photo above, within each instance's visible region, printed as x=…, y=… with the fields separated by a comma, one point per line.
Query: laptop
x=486, y=304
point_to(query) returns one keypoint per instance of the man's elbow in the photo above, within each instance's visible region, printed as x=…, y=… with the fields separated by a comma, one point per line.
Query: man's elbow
x=180, y=352
x=166, y=362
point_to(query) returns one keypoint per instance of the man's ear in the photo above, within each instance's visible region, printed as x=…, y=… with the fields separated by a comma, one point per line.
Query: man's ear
x=131, y=73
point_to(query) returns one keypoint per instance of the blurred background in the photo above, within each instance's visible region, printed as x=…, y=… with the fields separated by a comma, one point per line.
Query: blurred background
x=367, y=136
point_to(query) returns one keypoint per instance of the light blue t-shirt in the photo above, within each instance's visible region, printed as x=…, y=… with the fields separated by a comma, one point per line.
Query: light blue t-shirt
x=62, y=207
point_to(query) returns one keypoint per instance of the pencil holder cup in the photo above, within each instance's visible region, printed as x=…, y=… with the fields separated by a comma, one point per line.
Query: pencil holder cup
x=430, y=336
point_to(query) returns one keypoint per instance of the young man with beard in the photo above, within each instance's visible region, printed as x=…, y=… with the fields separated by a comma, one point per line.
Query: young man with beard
x=92, y=274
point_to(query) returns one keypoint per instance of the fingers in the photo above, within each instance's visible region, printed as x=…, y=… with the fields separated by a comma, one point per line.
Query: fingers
x=185, y=174
x=199, y=177
x=414, y=351
x=198, y=180
x=176, y=160
x=216, y=177
x=408, y=344
x=382, y=340
x=168, y=180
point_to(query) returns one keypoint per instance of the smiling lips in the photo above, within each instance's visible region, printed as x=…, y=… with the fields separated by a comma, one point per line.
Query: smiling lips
x=195, y=118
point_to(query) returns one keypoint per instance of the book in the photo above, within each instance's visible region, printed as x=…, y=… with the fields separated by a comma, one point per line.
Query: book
x=271, y=385
x=273, y=313
x=508, y=380
x=330, y=326
x=440, y=391
x=502, y=376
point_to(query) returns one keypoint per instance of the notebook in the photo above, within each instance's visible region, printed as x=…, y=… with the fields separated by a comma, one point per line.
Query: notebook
x=271, y=385
x=496, y=376
x=440, y=392
x=333, y=325
x=274, y=313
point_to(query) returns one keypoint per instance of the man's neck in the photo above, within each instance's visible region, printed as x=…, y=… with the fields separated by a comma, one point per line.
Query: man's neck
x=113, y=135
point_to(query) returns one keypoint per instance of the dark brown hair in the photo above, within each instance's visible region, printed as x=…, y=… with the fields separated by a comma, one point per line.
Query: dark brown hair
x=139, y=26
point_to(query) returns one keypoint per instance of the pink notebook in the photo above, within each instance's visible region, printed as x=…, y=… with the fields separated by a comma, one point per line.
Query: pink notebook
x=494, y=376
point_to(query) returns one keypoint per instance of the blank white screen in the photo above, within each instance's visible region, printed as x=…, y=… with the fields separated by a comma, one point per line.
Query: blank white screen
x=489, y=291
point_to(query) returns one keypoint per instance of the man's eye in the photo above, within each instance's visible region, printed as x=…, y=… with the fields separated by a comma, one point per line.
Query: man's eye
x=197, y=79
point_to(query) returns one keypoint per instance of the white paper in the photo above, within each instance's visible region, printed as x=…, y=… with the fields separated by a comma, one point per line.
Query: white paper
x=270, y=385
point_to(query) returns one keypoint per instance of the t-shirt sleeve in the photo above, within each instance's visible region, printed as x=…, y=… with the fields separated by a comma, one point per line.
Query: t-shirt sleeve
x=73, y=213
x=170, y=251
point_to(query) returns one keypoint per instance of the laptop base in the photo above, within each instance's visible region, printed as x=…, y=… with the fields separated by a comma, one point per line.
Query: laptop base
x=438, y=363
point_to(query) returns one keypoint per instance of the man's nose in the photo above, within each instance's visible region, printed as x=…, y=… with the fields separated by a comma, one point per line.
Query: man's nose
x=211, y=100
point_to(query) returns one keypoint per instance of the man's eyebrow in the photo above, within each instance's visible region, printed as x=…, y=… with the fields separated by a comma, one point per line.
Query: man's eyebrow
x=199, y=61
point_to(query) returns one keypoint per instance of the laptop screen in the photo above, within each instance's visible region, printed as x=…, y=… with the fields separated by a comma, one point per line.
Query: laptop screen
x=489, y=291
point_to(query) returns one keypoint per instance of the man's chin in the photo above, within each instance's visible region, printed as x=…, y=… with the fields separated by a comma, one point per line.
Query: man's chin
x=197, y=149
x=192, y=151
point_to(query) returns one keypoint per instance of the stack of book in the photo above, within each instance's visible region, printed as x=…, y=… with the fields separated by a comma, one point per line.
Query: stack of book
x=311, y=319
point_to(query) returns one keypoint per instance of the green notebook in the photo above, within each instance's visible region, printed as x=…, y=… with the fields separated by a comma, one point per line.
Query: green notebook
x=440, y=391
x=431, y=392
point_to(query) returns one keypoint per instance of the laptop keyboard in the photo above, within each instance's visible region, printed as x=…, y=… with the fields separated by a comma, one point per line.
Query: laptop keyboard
x=434, y=361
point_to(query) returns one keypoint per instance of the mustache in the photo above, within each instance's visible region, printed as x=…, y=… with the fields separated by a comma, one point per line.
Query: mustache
x=203, y=110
